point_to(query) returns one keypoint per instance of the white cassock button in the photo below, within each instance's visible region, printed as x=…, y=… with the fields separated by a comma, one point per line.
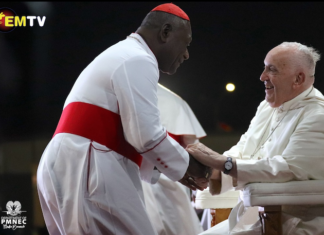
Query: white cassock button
x=259, y=158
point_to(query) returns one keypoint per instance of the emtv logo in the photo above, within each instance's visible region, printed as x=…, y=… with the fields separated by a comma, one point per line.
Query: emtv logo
x=9, y=20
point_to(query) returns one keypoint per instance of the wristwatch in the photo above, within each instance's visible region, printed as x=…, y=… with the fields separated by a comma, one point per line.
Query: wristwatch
x=228, y=165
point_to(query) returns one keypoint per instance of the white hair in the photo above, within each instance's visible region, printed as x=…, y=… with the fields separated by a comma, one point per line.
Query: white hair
x=308, y=54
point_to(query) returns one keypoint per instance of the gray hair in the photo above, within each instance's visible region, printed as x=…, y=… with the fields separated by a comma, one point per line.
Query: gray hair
x=308, y=54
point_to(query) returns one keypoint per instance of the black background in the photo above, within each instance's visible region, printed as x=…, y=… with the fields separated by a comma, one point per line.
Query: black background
x=230, y=42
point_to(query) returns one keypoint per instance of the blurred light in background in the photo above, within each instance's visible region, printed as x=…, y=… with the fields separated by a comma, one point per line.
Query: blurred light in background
x=230, y=87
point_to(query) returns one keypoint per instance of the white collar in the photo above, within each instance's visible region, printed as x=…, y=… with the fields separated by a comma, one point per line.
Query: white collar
x=293, y=103
x=142, y=43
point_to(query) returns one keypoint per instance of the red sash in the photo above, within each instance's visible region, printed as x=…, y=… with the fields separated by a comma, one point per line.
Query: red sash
x=97, y=124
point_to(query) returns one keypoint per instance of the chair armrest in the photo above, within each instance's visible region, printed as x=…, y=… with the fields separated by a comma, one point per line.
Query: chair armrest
x=204, y=200
x=309, y=192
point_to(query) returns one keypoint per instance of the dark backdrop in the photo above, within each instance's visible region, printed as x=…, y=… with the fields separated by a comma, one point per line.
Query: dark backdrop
x=38, y=66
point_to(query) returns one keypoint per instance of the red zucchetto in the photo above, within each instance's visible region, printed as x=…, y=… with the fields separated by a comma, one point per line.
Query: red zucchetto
x=172, y=9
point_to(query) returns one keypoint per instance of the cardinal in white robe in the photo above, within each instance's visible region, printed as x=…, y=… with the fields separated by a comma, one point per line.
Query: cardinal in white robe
x=88, y=178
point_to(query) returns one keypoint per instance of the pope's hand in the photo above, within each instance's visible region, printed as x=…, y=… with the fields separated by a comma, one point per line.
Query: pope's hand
x=203, y=154
x=211, y=159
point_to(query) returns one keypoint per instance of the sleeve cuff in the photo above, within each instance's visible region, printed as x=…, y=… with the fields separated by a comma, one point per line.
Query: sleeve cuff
x=169, y=157
x=221, y=186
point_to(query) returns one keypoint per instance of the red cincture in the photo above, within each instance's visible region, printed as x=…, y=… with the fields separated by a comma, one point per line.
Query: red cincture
x=97, y=124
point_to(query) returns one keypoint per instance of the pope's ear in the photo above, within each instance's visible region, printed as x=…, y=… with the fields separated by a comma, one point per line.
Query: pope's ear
x=165, y=32
x=299, y=79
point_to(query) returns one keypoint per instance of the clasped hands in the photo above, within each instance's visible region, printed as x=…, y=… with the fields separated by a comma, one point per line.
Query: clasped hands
x=199, y=170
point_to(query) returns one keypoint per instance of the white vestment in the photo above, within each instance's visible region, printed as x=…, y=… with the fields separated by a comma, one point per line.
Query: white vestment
x=282, y=144
x=167, y=202
x=86, y=188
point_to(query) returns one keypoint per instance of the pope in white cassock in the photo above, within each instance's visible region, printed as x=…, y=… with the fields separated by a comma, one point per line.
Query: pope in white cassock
x=167, y=202
x=284, y=142
x=110, y=133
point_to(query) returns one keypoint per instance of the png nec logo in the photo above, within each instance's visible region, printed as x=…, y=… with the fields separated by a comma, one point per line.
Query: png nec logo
x=14, y=219
x=9, y=20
